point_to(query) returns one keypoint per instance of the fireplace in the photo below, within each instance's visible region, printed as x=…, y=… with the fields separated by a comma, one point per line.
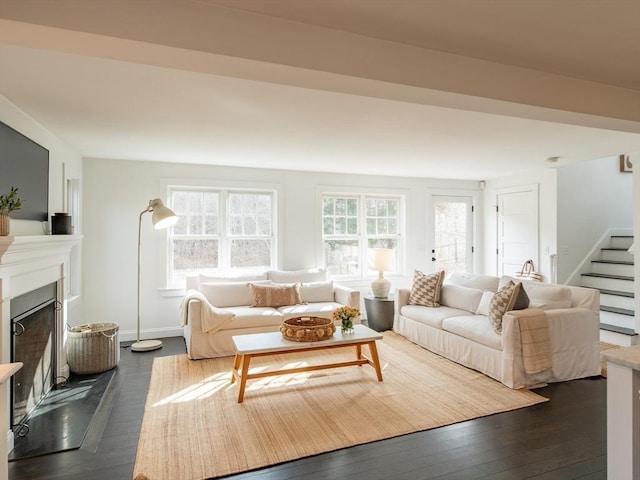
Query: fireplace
x=34, y=338
x=34, y=272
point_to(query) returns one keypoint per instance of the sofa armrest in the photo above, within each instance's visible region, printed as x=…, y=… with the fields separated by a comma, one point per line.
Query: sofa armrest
x=346, y=296
x=573, y=326
x=568, y=327
x=402, y=297
x=193, y=320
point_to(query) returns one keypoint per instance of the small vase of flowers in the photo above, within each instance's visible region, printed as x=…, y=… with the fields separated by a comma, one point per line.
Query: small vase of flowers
x=8, y=203
x=346, y=315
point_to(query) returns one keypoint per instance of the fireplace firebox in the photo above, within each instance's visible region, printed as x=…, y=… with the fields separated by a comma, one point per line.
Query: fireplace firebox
x=33, y=333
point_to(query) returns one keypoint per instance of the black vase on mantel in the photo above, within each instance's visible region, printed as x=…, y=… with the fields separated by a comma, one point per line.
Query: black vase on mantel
x=61, y=224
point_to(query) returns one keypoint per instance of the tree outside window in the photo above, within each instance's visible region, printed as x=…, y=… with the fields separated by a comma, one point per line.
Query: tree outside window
x=220, y=231
x=352, y=225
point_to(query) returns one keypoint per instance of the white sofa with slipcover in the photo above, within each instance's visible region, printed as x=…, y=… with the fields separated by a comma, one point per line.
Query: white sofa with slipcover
x=216, y=308
x=460, y=329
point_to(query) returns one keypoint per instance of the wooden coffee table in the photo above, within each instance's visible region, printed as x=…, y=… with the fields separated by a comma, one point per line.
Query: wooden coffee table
x=261, y=344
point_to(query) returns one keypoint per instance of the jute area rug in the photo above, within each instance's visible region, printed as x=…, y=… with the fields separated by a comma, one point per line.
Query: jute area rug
x=193, y=427
x=603, y=364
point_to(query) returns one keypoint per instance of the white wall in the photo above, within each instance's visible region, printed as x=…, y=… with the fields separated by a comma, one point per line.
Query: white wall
x=545, y=178
x=594, y=197
x=116, y=191
x=62, y=158
x=64, y=163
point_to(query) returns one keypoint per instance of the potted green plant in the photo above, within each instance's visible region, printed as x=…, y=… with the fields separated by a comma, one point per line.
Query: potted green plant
x=8, y=203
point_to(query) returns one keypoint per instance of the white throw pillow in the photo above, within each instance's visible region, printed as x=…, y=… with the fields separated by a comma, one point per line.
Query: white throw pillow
x=293, y=276
x=472, y=280
x=547, y=296
x=316, y=292
x=228, y=294
x=485, y=302
x=463, y=298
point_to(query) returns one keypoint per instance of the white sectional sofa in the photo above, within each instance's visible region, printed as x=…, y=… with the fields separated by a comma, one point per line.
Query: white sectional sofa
x=216, y=308
x=460, y=329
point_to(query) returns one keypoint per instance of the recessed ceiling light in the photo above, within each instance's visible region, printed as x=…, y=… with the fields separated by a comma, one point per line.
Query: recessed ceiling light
x=552, y=159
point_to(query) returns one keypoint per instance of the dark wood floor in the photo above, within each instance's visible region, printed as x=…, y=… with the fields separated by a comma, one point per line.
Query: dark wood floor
x=564, y=438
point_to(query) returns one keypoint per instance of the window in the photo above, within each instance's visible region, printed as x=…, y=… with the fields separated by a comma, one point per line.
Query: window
x=221, y=231
x=352, y=225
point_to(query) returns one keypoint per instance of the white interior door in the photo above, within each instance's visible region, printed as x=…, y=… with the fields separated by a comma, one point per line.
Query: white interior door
x=517, y=223
x=452, y=226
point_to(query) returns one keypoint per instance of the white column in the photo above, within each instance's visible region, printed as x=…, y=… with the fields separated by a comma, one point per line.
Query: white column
x=623, y=413
x=6, y=370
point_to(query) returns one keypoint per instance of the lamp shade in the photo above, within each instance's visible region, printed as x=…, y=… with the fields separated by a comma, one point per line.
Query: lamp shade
x=163, y=217
x=384, y=259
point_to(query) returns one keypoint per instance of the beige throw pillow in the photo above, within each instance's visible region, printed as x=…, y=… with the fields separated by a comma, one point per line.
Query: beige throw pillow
x=274, y=295
x=426, y=289
x=503, y=301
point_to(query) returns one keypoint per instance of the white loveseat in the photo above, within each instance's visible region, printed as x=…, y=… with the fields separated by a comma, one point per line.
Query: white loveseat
x=460, y=329
x=216, y=308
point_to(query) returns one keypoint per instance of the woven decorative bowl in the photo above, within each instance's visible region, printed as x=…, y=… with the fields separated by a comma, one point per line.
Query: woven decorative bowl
x=307, y=329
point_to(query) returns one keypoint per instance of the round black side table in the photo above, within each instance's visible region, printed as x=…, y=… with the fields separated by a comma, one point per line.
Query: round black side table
x=379, y=312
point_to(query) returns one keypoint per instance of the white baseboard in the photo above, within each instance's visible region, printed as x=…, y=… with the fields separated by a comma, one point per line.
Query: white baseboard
x=130, y=335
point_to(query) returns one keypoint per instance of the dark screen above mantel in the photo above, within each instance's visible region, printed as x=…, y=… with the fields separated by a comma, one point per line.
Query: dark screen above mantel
x=24, y=164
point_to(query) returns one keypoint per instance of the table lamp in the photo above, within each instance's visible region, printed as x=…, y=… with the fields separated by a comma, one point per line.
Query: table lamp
x=384, y=260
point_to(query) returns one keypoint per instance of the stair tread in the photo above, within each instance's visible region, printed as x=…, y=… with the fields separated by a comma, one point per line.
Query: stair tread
x=617, y=293
x=616, y=329
x=621, y=311
x=616, y=249
x=604, y=275
x=621, y=236
x=614, y=262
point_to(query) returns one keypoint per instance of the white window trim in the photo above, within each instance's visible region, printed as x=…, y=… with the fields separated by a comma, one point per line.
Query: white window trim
x=342, y=190
x=171, y=183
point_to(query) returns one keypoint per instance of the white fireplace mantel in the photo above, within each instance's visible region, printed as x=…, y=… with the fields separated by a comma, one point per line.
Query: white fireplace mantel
x=27, y=263
x=15, y=250
x=30, y=262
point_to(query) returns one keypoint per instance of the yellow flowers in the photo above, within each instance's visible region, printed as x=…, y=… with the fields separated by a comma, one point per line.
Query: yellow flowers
x=346, y=315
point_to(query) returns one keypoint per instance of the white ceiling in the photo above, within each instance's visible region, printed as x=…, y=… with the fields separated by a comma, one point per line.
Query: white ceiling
x=110, y=106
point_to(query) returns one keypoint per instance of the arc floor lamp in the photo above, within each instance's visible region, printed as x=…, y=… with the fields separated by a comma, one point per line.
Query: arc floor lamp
x=162, y=218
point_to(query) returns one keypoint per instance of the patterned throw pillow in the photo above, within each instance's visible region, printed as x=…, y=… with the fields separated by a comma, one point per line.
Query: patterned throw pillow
x=522, y=300
x=503, y=301
x=426, y=289
x=274, y=295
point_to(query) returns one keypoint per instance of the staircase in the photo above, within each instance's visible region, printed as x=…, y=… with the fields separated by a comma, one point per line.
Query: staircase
x=612, y=274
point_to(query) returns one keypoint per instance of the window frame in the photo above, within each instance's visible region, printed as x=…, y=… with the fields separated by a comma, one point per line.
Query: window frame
x=362, y=194
x=224, y=236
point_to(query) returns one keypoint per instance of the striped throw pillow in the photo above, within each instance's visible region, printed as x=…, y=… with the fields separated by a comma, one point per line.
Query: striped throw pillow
x=503, y=301
x=426, y=289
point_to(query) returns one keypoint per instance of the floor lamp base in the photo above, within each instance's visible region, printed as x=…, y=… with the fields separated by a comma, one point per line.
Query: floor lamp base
x=146, y=345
